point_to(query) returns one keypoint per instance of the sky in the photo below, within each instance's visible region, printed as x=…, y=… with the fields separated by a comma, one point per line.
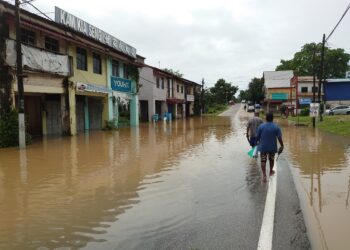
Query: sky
x=236, y=40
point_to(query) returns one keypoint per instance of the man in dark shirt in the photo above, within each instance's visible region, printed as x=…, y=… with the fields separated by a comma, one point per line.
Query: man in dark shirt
x=267, y=136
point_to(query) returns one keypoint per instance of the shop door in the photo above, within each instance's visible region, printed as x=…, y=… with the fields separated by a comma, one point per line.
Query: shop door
x=144, y=111
x=188, y=105
x=95, y=113
x=79, y=109
x=32, y=110
x=53, y=115
x=159, y=108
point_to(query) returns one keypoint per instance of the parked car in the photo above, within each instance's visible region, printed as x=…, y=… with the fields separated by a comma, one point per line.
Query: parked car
x=257, y=107
x=338, y=110
x=250, y=108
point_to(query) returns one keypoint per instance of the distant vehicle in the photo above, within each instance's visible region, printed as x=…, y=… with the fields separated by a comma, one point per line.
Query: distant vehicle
x=338, y=110
x=243, y=101
x=250, y=108
x=257, y=107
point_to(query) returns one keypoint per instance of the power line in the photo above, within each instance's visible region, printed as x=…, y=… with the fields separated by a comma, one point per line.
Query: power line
x=346, y=10
x=29, y=2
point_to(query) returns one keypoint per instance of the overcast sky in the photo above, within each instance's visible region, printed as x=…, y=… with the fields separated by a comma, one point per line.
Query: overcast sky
x=211, y=39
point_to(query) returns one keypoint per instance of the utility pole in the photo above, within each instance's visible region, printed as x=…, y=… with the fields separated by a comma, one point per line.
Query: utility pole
x=314, y=84
x=21, y=123
x=320, y=84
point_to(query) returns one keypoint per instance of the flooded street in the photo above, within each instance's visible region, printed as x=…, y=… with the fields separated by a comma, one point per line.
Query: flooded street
x=322, y=167
x=188, y=184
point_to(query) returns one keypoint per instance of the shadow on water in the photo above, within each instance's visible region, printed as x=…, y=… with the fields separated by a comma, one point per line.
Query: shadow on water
x=66, y=192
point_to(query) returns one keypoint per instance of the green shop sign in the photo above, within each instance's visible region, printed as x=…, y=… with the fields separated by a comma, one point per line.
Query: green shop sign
x=279, y=96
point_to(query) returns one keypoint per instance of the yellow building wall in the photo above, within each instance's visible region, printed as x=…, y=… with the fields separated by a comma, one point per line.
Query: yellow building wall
x=88, y=76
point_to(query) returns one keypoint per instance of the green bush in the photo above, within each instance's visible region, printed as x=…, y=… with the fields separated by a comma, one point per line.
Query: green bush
x=9, y=129
x=305, y=112
x=111, y=125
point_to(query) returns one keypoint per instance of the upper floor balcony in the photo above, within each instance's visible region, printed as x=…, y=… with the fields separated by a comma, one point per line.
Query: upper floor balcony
x=37, y=59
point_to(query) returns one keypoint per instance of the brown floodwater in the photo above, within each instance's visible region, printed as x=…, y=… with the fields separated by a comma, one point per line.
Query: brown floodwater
x=117, y=189
x=322, y=169
x=130, y=188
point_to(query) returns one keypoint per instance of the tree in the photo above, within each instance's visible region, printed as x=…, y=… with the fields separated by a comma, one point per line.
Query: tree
x=174, y=72
x=335, y=61
x=243, y=95
x=255, y=92
x=223, y=92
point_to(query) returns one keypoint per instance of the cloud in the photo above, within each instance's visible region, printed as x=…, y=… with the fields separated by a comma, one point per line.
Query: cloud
x=231, y=39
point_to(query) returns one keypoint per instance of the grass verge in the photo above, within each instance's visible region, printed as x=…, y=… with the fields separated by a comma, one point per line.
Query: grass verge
x=216, y=110
x=338, y=124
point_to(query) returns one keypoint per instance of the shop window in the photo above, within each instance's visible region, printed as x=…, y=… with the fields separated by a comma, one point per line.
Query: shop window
x=81, y=59
x=157, y=83
x=162, y=83
x=28, y=36
x=315, y=89
x=115, y=68
x=303, y=89
x=97, y=66
x=51, y=44
x=178, y=88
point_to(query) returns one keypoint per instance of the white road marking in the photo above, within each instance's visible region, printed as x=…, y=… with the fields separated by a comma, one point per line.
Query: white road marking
x=266, y=232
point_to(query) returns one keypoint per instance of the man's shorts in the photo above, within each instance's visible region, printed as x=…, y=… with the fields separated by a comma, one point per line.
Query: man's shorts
x=264, y=155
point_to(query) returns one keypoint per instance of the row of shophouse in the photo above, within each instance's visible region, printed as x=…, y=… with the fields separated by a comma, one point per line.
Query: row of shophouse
x=296, y=92
x=78, y=77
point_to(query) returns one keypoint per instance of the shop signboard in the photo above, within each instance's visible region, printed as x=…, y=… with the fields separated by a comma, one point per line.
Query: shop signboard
x=314, y=109
x=304, y=101
x=120, y=84
x=279, y=96
x=91, y=31
x=190, y=98
x=88, y=87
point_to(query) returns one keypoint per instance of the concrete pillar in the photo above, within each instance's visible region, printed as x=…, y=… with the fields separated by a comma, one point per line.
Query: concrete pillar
x=43, y=116
x=86, y=114
x=72, y=110
x=183, y=110
x=151, y=109
x=175, y=111
x=134, y=111
x=110, y=95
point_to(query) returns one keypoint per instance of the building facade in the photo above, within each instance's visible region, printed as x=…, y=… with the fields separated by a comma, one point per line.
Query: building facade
x=163, y=94
x=337, y=92
x=278, y=90
x=76, y=76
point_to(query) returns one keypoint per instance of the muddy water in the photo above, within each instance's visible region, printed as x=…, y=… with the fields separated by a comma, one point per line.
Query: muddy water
x=322, y=163
x=120, y=189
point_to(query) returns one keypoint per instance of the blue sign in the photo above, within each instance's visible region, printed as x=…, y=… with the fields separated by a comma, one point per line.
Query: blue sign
x=120, y=84
x=303, y=101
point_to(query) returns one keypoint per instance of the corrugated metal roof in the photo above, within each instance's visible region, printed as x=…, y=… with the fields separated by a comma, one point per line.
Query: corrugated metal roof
x=278, y=79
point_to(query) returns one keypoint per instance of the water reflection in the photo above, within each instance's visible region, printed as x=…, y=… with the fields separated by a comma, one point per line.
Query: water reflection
x=66, y=192
x=323, y=163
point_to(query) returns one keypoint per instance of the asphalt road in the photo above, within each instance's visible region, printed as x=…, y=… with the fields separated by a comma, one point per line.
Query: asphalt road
x=229, y=205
